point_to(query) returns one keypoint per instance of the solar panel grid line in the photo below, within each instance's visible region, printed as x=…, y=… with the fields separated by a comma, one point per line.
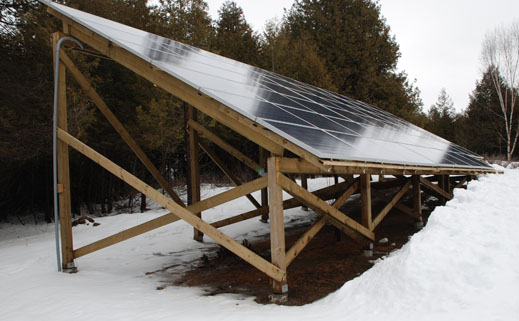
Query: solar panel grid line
x=337, y=122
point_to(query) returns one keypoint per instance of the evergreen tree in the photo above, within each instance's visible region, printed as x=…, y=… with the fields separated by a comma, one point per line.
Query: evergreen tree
x=442, y=117
x=361, y=56
x=485, y=125
x=234, y=37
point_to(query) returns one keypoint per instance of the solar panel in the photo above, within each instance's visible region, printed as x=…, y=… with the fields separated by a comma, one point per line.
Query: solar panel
x=326, y=124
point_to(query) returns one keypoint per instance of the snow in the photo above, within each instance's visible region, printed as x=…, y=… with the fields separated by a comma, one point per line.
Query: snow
x=464, y=265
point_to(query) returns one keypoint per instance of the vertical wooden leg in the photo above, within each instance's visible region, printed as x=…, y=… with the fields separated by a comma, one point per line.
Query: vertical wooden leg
x=264, y=193
x=365, y=197
x=193, y=182
x=304, y=184
x=277, y=226
x=417, y=200
x=65, y=219
x=448, y=185
x=365, y=200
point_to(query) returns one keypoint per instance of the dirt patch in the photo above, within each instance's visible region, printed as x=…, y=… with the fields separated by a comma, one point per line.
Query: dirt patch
x=330, y=260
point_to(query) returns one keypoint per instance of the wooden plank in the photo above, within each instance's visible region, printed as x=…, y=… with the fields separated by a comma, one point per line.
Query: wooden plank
x=304, y=240
x=118, y=126
x=62, y=155
x=390, y=205
x=182, y=213
x=240, y=217
x=263, y=154
x=437, y=190
x=204, y=132
x=347, y=194
x=230, y=195
x=320, y=206
x=126, y=234
x=365, y=200
x=277, y=224
x=226, y=171
x=304, y=184
x=193, y=177
x=209, y=106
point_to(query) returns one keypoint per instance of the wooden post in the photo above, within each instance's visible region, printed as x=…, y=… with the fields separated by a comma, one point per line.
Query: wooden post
x=263, y=154
x=304, y=184
x=277, y=228
x=365, y=200
x=365, y=197
x=193, y=181
x=65, y=219
x=417, y=200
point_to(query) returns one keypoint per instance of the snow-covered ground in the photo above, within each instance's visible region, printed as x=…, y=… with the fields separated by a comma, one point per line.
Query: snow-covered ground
x=464, y=265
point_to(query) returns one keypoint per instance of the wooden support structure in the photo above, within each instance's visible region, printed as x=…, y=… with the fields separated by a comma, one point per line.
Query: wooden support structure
x=193, y=177
x=119, y=127
x=277, y=225
x=365, y=198
x=62, y=153
x=271, y=146
x=226, y=171
x=390, y=205
x=262, y=155
x=417, y=197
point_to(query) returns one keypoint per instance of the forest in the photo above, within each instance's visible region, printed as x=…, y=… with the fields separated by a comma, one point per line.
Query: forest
x=341, y=45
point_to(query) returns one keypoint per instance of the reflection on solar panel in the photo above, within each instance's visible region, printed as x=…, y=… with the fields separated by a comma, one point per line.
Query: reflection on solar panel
x=326, y=124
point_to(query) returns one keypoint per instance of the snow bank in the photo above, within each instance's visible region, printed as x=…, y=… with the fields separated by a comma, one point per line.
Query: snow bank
x=464, y=265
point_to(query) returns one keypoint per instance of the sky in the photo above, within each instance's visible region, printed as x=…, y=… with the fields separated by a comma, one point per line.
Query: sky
x=440, y=41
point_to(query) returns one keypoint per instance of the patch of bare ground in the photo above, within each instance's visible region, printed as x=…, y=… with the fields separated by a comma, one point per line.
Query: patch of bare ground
x=330, y=260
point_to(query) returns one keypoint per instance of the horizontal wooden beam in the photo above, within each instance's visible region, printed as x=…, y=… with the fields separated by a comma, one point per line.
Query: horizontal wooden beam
x=298, y=165
x=391, y=204
x=181, y=212
x=118, y=126
x=226, y=171
x=321, y=206
x=204, y=132
x=435, y=188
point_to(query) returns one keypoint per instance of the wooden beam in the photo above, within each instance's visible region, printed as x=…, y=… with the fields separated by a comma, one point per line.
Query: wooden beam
x=88, y=90
x=240, y=217
x=408, y=211
x=193, y=171
x=390, y=205
x=321, y=206
x=65, y=214
x=354, y=186
x=193, y=96
x=277, y=225
x=126, y=234
x=263, y=154
x=229, y=195
x=226, y=171
x=204, y=132
x=434, y=188
x=222, y=239
x=365, y=200
x=304, y=240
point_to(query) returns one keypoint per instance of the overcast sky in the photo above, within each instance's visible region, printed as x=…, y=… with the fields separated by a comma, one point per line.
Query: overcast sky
x=440, y=40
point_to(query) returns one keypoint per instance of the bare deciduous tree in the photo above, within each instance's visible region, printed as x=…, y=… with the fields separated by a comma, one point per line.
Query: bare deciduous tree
x=501, y=56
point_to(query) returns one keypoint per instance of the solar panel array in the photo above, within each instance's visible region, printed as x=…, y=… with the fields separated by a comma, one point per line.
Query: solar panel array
x=328, y=125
